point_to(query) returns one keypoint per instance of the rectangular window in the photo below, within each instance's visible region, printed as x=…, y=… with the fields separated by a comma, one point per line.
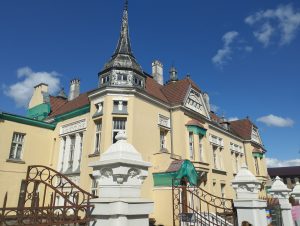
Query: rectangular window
x=17, y=146
x=72, y=149
x=80, y=146
x=256, y=165
x=201, y=151
x=235, y=158
x=191, y=145
x=223, y=190
x=94, y=188
x=98, y=136
x=119, y=124
x=215, y=157
x=163, y=143
x=120, y=107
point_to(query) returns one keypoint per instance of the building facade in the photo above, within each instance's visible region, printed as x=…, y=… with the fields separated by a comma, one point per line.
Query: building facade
x=166, y=122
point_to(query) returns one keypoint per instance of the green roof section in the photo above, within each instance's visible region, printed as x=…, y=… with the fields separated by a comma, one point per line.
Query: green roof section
x=26, y=120
x=39, y=112
x=196, y=130
x=187, y=170
x=72, y=114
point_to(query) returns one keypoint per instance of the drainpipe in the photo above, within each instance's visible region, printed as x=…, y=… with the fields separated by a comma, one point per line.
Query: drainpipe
x=171, y=132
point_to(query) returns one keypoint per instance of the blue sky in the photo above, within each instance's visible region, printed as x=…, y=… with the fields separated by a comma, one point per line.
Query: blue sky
x=245, y=54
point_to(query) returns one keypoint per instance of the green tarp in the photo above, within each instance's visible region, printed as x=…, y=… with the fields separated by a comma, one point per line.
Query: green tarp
x=187, y=170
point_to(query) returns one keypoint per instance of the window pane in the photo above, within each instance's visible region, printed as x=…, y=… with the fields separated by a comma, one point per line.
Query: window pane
x=19, y=151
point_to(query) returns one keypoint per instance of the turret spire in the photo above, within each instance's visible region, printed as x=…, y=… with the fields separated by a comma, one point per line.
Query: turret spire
x=123, y=69
x=124, y=46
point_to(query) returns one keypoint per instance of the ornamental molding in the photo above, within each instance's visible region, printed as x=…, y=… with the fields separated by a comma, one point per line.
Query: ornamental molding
x=163, y=121
x=73, y=127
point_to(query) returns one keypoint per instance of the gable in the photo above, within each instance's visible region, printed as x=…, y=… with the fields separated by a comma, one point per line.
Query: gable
x=194, y=101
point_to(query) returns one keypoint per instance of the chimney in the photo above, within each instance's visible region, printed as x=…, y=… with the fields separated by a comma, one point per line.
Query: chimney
x=74, y=89
x=157, y=72
x=39, y=95
x=206, y=101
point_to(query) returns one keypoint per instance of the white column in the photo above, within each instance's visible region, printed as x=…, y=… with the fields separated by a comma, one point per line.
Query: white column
x=279, y=190
x=76, y=158
x=66, y=154
x=249, y=207
x=61, y=154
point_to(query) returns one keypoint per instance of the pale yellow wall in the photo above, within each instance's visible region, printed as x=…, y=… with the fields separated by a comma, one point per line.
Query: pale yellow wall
x=37, y=149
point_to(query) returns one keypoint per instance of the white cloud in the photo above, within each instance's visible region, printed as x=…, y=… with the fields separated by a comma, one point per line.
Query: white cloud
x=273, y=120
x=284, y=20
x=233, y=119
x=273, y=162
x=214, y=108
x=264, y=34
x=223, y=55
x=22, y=91
x=249, y=49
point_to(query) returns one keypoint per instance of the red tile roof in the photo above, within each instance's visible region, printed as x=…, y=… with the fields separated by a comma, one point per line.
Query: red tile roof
x=242, y=128
x=173, y=92
x=56, y=103
x=155, y=89
x=78, y=102
x=214, y=117
x=176, y=91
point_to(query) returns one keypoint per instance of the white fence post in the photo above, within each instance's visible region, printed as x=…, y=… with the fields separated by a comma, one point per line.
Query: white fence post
x=279, y=190
x=121, y=173
x=296, y=192
x=249, y=207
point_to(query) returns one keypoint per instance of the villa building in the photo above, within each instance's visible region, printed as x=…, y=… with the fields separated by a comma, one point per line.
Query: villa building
x=167, y=122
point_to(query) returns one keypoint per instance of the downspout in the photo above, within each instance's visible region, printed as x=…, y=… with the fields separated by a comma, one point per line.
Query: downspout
x=171, y=132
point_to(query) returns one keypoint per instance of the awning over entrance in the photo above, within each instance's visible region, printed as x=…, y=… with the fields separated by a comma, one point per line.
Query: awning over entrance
x=177, y=170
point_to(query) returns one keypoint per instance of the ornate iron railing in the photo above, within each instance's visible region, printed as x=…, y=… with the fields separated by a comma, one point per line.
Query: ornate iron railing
x=47, y=197
x=195, y=206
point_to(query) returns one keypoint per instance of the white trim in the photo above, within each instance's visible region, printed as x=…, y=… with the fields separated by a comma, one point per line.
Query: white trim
x=162, y=188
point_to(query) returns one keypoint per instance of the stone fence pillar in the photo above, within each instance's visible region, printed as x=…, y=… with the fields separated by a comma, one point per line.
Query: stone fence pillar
x=296, y=192
x=120, y=173
x=249, y=207
x=279, y=190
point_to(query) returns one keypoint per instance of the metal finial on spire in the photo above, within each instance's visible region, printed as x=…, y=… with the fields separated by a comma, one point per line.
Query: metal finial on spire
x=126, y=5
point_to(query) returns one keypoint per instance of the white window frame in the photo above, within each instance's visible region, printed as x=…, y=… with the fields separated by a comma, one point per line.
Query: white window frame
x=17, y=146
x=163, y=139
x=201, y=150
x=98, y=134
x=120, y=126
x=94, y=186
x=72, y=150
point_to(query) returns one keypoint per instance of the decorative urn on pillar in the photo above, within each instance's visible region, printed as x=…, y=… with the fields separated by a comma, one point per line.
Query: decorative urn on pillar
x=121, y=172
